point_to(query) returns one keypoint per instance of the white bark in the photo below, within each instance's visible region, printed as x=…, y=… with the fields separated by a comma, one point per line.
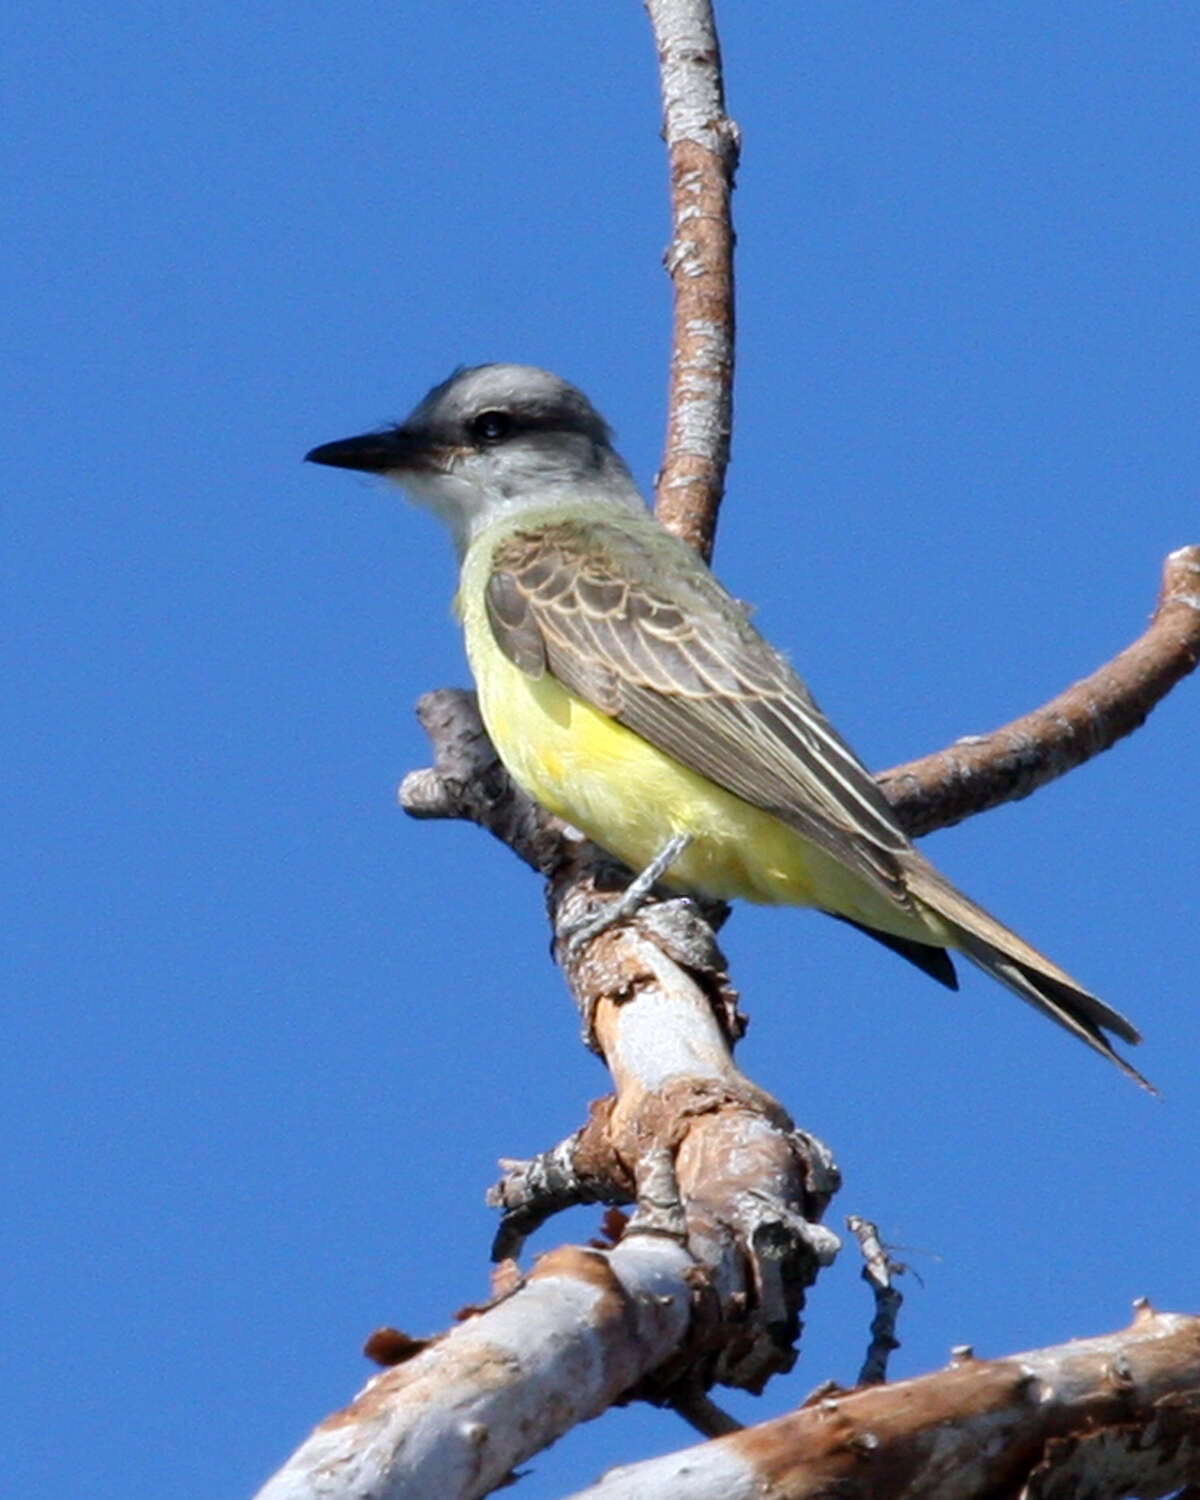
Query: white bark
x=453, y=1421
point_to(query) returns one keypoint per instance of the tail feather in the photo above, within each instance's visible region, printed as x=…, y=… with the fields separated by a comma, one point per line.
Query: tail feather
x=1025, y=971
x=1073, y=1008
x=934, y=961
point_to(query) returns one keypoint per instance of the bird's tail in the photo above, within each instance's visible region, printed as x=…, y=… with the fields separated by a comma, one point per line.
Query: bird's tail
x=1028, y=973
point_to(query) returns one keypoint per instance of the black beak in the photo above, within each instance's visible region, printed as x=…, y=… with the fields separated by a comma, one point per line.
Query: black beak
x=373, y=452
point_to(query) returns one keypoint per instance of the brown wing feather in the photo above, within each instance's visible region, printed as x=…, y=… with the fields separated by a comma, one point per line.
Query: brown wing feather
x=674, y=659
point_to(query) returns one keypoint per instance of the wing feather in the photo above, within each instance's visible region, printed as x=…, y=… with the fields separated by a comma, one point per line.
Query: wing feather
x=669, y=654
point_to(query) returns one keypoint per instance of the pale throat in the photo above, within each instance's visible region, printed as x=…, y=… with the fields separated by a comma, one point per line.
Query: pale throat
x=468, y=508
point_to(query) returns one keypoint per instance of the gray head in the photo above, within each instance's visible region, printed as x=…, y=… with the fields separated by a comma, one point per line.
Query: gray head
x=490, y=441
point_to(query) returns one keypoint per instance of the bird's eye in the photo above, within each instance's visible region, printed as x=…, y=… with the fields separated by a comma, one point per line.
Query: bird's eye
x=491, y=426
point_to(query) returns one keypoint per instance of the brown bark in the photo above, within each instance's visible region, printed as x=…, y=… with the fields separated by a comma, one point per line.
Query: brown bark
x=1103, y=1417
x=1090, y=716
x=702, y=153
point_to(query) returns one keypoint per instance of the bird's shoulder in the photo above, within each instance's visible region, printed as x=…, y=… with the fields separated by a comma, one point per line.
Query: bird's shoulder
x=626, y=573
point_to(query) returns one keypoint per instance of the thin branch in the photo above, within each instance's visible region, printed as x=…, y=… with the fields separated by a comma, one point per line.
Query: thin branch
x=702, y=148
x=983, y=771
x=700, y=1411
x=468, y=781
x=878, y=1270
x=582, y=1169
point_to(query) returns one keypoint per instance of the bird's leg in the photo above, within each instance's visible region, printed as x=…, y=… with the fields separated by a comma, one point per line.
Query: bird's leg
x=631, y=897
x=641, y=885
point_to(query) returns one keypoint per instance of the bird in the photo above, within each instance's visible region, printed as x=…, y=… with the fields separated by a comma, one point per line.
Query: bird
x=629, y=693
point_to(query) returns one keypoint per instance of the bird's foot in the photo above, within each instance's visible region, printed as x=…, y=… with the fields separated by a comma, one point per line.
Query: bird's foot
x=631, y=898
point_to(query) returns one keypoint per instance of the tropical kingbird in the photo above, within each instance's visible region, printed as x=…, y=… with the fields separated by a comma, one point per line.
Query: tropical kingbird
x=627, y=692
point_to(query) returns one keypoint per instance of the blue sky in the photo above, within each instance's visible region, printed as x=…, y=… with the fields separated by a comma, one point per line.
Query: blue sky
x=264, y=1036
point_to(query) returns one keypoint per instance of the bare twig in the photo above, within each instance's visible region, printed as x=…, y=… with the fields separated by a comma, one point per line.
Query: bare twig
x=702, y=147
x=985, y=770
x=878, y=1270
x=582, y=1169
x=468, y=781
x=700, y=1411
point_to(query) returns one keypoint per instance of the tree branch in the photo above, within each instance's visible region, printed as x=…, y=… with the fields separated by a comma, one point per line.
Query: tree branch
x=983, y=771
x=454, y=1420
x=878, y=1270
x=709, y=1278
x=702, y=148
x=1103, y=1417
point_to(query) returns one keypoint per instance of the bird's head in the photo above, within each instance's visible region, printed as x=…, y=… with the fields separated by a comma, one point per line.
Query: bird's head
x=493, y=440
